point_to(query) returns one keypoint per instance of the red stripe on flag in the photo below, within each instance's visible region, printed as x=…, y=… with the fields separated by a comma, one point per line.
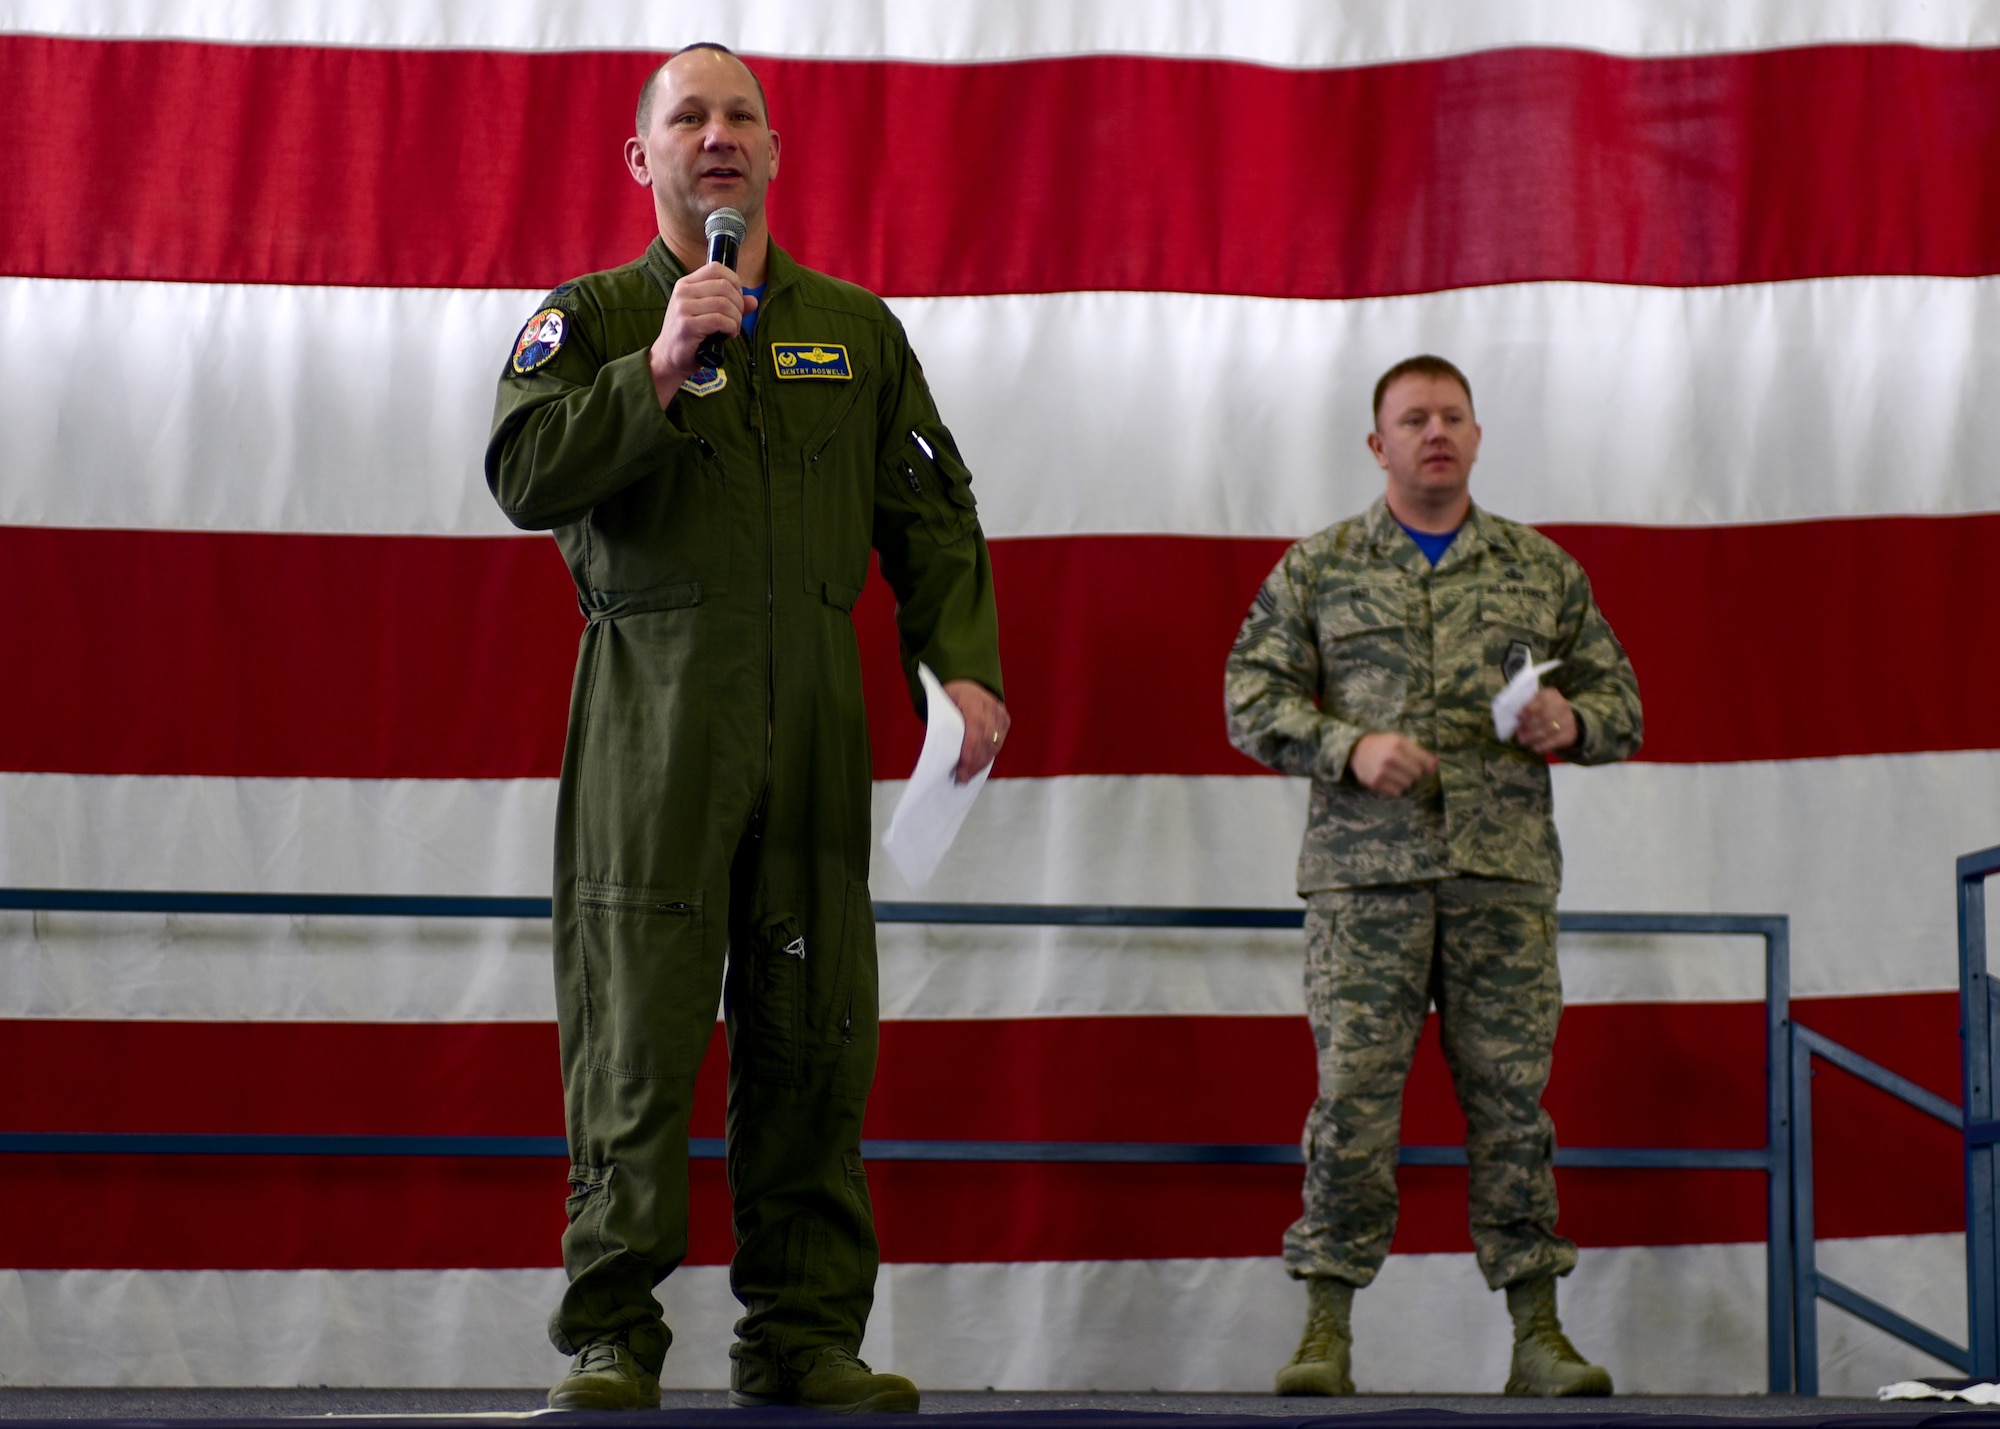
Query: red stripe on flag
x=421, y=657
x=1652, y=1074
x=284, y=1213
x=287, y=164
x=359, y=1213
x=249, y=655
x=1679, y=1074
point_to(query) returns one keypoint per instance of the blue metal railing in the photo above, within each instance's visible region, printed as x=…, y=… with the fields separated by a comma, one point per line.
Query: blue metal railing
x=1979, y=1031
x=1812, y=1285
x=1979, y=1028
x=1773, y=1158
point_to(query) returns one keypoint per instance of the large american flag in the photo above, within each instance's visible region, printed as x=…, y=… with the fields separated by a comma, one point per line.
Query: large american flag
x=1722, y=274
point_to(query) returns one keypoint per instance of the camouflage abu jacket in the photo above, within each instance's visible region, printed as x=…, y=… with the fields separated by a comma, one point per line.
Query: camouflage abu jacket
x=1354, y=633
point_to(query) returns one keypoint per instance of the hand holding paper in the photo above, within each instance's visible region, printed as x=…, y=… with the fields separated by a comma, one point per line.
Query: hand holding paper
x=1508, y=704
x=934, y=804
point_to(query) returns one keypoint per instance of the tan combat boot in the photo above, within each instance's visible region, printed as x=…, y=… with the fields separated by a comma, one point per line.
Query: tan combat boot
x=832, y=1379
x=1546, y=1364
x=1320, y=1365
x=605, y=1376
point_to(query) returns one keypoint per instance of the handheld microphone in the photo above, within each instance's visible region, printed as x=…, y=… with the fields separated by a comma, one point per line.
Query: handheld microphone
x=725, y=229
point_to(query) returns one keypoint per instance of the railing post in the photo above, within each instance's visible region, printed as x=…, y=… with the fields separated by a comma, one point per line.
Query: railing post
x=1805, y=1269
x=1976, y=1031
x=1780, y=1293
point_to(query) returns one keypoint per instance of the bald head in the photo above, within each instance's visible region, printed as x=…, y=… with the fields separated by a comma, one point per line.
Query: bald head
x=652, y=84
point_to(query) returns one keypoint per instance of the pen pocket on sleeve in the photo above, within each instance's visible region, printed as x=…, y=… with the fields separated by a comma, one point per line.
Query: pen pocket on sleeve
x=939, y=480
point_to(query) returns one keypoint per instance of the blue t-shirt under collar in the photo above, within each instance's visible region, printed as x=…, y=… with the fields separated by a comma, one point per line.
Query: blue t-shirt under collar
x=1432, y=546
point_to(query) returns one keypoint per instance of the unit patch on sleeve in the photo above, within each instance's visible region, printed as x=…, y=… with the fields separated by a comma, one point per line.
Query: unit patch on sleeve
x=539, y=341
x=811, y=359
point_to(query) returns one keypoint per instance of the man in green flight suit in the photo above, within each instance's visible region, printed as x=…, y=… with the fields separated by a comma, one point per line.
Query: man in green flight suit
x=1368, y=663
x=713, y=822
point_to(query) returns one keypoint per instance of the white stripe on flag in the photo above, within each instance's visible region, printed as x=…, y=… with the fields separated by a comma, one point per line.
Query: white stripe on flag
x=1291, y=33
x=269, y=408
x=1666, y=1320
x=1858, y=852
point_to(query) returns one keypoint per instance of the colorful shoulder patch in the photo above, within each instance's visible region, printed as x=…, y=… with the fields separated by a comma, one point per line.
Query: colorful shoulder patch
x=540, y=340
x=811, y=359
x=706, y=380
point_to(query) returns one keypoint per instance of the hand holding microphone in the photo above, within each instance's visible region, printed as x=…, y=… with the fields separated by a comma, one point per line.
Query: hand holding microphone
x=705, y=308
x=725, y=229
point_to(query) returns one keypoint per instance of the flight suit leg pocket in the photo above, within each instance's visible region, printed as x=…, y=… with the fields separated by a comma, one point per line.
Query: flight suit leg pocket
x=584, y=1241
x=778, y=1009
x=642, y=952
x=855, y=1005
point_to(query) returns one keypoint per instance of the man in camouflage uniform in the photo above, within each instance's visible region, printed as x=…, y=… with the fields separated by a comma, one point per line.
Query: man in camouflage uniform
x=1368, y=664
x=712, y=833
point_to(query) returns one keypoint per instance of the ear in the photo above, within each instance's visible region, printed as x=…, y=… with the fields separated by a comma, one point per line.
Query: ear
x=635, y=162
x=1375, y=449
x=774, y=153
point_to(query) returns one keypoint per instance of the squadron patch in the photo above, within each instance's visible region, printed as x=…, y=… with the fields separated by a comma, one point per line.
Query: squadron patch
x=1519, y=656
x=540, y=340
x=811, y=359
x=706, y=380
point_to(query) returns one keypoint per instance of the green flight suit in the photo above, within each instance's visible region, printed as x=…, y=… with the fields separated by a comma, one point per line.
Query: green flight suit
x=713, y=822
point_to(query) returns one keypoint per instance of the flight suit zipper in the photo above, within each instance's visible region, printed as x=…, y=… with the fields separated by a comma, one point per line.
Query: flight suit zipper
x=770, y=570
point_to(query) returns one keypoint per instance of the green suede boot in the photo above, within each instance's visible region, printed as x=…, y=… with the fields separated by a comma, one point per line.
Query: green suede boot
x=1322, y=1361
x=833, y=1380
x=1546, y=1365
x=605, y=1376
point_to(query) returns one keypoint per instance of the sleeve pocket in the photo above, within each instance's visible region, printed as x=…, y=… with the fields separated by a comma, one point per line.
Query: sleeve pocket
x=939, y=480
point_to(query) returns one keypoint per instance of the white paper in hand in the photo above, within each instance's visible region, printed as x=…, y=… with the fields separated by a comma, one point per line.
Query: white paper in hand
x=933, y=806
x=1508, y=704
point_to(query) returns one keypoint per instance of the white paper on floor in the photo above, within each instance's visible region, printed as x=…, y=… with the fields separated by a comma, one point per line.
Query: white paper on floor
x=1917, y=1389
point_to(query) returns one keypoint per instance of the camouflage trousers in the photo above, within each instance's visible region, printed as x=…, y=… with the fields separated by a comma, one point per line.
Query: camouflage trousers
x=1484, y=950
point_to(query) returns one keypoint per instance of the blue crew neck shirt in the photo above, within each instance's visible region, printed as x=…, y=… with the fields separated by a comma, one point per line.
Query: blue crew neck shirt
x=1433, y=547
x=750, y=319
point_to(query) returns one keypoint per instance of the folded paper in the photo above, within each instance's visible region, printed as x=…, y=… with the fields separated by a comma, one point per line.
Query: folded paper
x=934, y=804
x=1508, y=704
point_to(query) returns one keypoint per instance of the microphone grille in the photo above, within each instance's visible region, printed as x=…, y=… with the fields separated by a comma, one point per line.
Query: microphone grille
x=725, y=222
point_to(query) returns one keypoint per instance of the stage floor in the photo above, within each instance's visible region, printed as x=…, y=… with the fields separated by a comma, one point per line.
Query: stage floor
x=1031, y=1411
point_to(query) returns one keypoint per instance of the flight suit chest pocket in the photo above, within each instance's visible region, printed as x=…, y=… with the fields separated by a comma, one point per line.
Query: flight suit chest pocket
x=668, y=529
x=641, y=947
x=1364, y=637
x=838, y=492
